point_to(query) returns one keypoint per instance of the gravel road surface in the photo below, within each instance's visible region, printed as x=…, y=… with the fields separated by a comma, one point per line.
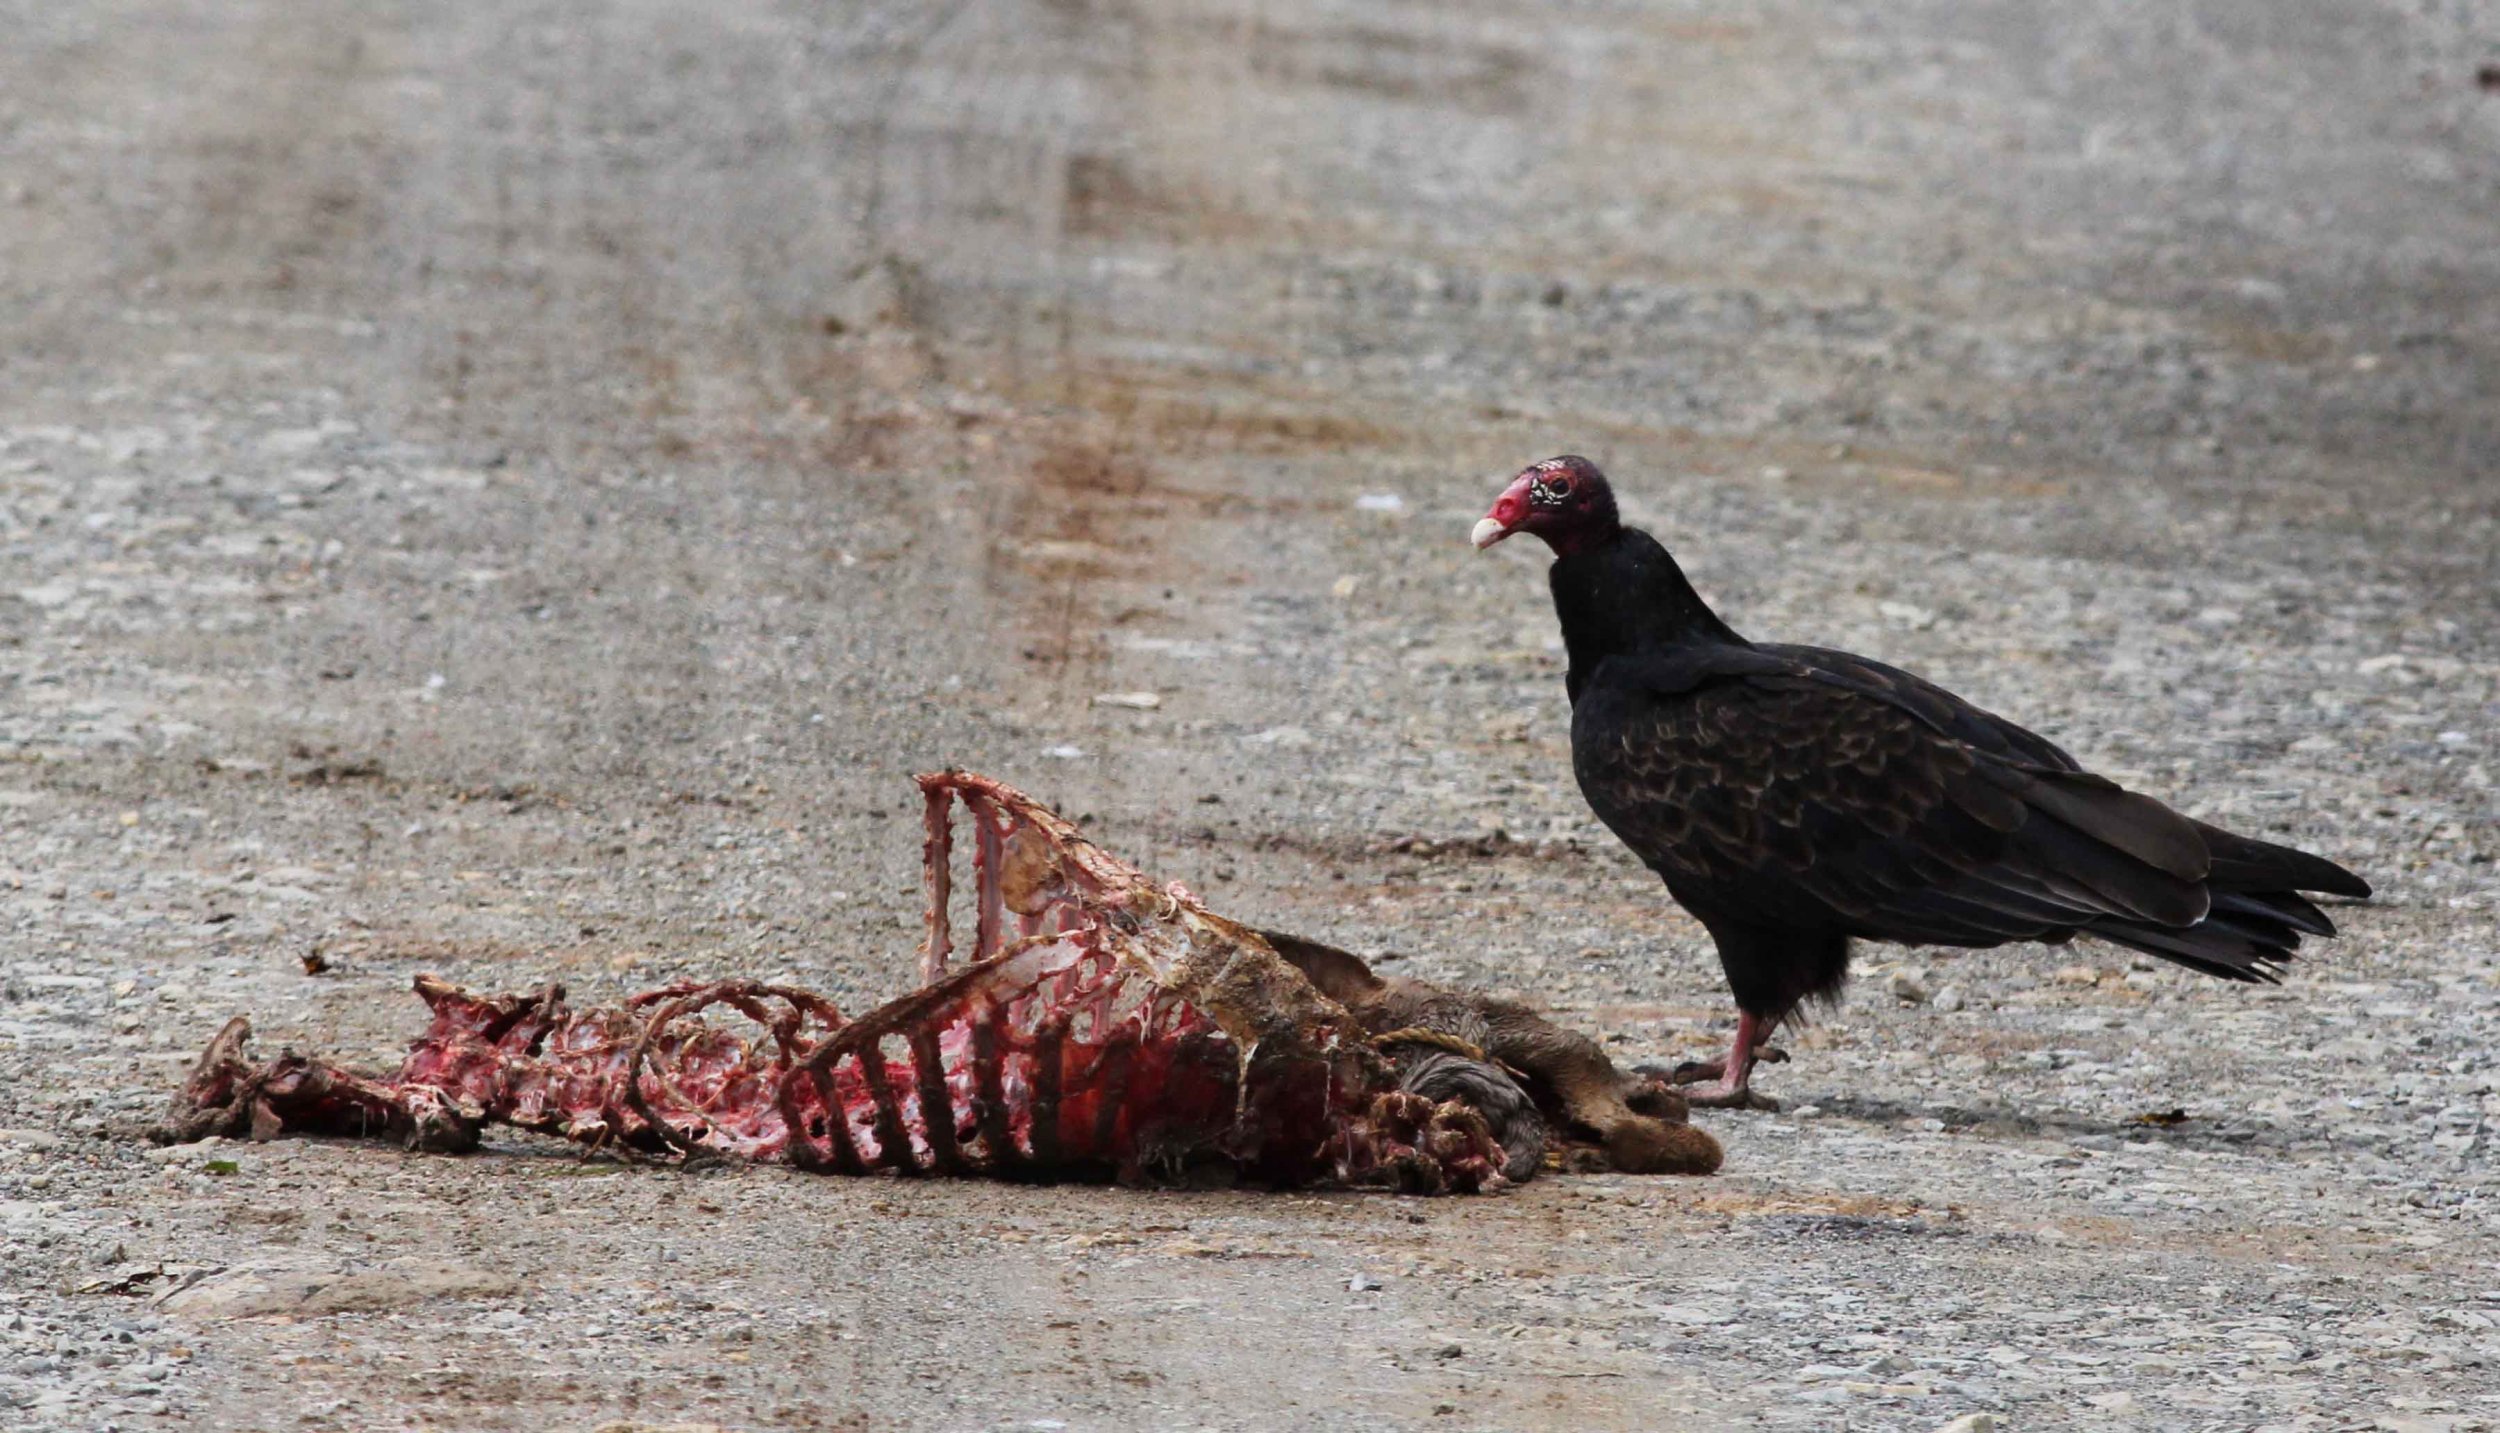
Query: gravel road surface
x=513, y=490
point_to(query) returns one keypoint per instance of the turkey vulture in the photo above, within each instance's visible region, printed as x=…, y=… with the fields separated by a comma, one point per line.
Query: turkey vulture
x=1795, y=799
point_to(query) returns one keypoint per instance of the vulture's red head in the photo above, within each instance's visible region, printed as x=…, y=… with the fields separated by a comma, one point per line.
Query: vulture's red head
x=1562, y=500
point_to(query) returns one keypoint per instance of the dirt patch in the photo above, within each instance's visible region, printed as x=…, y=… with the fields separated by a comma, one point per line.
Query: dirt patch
x=254, y=1293
x=1383, y=64
x=1108, y=199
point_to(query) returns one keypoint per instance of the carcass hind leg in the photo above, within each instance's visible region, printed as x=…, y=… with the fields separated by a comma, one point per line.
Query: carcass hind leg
x=1641, y=1124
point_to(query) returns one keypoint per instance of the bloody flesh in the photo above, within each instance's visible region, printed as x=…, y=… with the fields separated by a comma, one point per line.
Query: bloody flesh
x=1099, y=1026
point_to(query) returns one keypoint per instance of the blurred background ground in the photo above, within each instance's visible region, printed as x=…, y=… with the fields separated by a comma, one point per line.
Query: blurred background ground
x=513, y=491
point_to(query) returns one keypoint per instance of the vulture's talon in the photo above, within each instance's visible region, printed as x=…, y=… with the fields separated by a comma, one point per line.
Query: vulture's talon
x=1715, y=1097
x=1694, y=1072
x=1687, y=1073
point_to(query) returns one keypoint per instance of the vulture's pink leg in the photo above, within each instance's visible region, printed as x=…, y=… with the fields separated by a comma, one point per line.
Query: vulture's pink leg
x=1731, y=1086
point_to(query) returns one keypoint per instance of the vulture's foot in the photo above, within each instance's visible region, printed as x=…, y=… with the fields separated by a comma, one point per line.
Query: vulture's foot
x=1719, y=1095
x=1731, y=1086
x=1693, y=1072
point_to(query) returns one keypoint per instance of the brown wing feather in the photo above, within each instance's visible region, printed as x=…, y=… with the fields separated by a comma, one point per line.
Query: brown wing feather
x=1781, y=799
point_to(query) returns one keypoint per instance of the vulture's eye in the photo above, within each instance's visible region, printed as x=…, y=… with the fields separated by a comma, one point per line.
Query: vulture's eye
x=1554, y=489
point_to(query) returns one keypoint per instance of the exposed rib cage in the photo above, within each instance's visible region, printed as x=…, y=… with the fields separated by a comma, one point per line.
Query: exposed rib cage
x=1098, y=1026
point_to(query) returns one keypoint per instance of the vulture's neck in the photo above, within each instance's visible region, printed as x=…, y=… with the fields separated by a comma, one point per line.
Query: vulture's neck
x=1626, y=595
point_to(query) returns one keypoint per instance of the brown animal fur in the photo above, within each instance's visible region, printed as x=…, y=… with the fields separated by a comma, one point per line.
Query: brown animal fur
x=1536, y=1073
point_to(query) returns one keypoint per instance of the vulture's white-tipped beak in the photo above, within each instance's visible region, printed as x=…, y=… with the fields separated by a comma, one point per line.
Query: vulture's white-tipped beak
x=1488, y=532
